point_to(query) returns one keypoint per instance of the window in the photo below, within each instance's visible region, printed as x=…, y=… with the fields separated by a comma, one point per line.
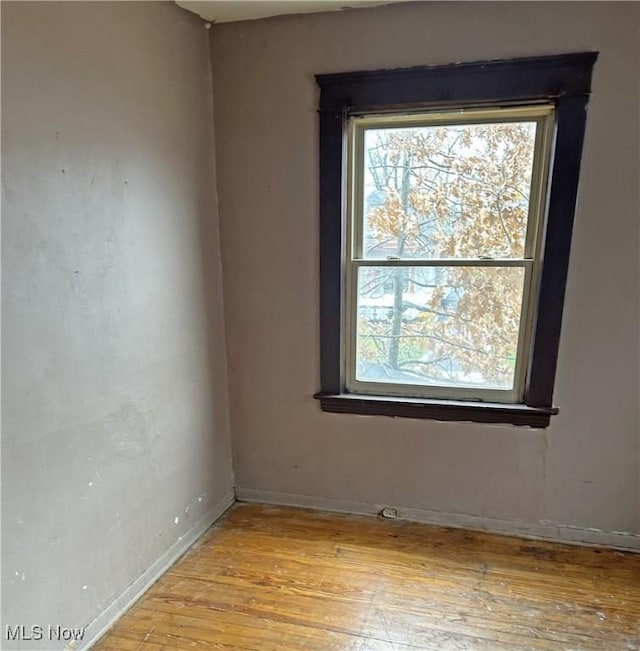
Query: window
x=442, y=256
x=447, y=202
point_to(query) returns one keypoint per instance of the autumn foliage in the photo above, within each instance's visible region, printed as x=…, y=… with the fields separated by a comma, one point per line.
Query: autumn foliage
x=449, y=192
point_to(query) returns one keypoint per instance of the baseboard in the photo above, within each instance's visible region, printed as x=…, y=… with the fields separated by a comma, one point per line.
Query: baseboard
x=535, y=530
x=101, y=624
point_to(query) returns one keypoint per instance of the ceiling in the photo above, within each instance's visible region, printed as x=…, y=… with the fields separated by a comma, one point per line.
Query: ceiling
x=224, y=11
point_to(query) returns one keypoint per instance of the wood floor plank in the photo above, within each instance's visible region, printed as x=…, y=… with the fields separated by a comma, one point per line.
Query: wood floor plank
x=280, y=579
x=355, y=578
x=483, y=620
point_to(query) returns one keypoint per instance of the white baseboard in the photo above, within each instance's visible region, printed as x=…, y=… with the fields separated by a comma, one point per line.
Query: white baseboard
x=101, y=624
x=535, y=530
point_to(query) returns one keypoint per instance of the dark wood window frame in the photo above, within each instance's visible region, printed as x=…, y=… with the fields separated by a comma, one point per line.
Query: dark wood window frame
x=565, y=81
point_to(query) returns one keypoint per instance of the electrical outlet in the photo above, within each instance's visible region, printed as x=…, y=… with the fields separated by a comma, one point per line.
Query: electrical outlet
x=389, y=513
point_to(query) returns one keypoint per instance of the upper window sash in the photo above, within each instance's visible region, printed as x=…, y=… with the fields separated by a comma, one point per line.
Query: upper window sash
x=540, y=115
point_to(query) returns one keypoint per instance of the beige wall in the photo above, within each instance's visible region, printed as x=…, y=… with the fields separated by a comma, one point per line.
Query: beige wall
x=583, y=470
x=115, y=425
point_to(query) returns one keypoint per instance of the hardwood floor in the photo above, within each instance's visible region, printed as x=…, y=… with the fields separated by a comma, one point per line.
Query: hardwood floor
x=284, y=579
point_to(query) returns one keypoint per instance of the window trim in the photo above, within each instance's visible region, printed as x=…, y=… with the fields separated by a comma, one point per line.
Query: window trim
x=563, y=80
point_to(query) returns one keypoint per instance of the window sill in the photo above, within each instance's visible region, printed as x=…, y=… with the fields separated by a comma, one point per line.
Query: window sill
x=449, y=410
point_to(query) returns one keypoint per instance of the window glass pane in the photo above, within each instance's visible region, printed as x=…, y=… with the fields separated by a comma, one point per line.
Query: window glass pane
x=455, y=191
x=439, y=326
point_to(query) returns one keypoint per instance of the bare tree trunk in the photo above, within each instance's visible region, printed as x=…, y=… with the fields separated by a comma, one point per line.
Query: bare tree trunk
x=396, y=323
x=398, y=276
